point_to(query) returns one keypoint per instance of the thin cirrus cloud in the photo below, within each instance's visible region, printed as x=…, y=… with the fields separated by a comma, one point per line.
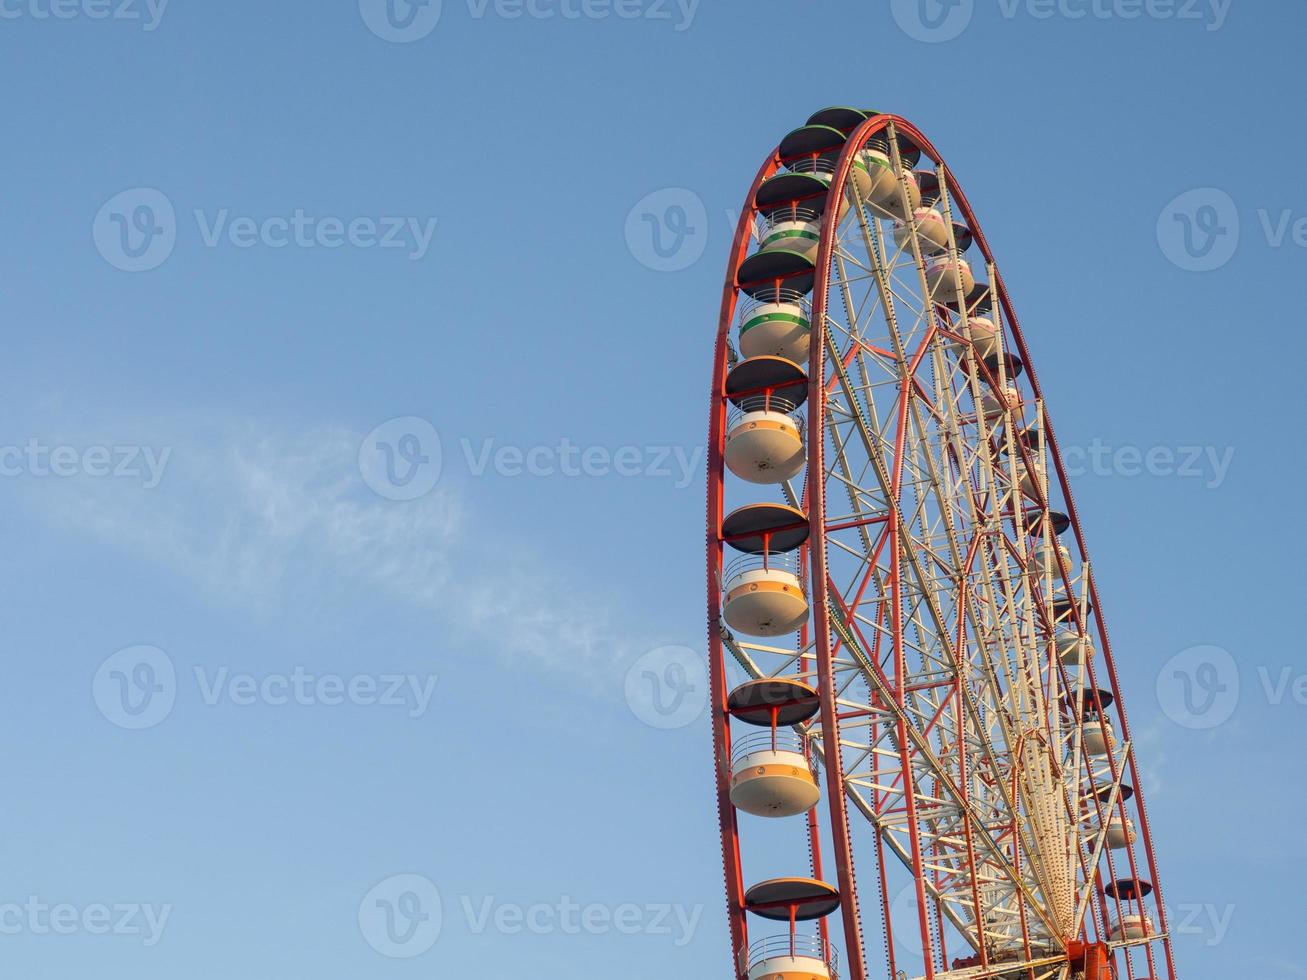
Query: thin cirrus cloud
x=263, y=520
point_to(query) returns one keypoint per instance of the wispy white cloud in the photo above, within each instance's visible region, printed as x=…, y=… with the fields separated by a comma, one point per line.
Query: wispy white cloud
x=260, y=517
x=246, y=515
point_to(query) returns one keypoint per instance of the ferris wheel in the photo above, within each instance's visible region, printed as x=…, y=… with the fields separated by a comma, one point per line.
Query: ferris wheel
x=908, y=658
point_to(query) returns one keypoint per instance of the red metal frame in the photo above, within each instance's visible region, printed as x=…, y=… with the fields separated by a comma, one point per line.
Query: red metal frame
x=721, y=728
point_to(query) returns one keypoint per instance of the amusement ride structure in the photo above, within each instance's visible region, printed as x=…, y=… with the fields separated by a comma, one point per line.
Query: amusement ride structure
x=909, y=664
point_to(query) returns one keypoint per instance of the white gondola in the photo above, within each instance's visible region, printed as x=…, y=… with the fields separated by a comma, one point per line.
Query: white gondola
x=770, y=775
x=1120, y=833
x=820, y=167
x=776, y=325
x=764, y=438
x=1074, y=649
x=880, y=188
x=931, y=228
x=764, y=446
x=798, y=957
x=1131, y=925
x=1097, y=735
x=984, y=336
x=795, y=229
x=763, y=594
x=1025, y=479
x=942, y=275
x=995, y=408
x=1039, y=555
x=764, y=601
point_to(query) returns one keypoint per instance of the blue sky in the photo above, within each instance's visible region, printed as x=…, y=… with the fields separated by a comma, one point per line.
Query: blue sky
x=435, y=665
